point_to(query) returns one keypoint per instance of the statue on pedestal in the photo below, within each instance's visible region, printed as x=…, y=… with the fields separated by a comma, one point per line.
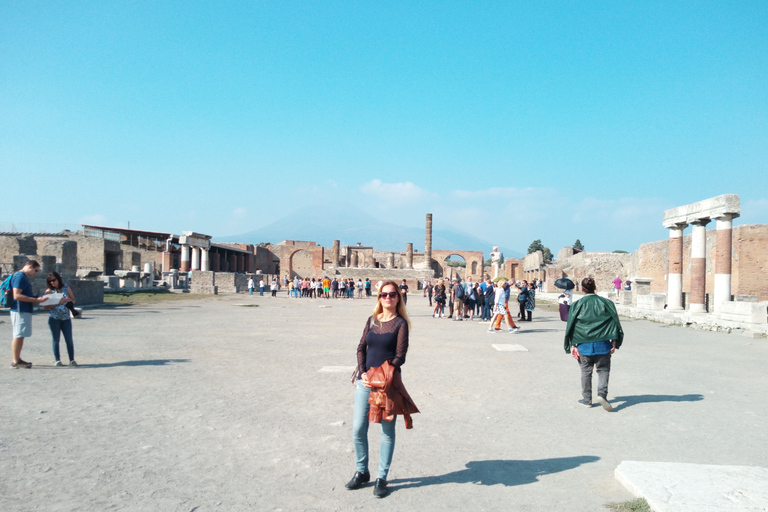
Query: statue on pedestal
x=495, y=259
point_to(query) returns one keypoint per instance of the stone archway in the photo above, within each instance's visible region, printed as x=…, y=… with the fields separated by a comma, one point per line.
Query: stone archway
x=300, y=264
x=473, y=260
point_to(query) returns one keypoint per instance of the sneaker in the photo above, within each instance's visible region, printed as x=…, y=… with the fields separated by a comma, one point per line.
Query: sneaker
x=21, y=364
x=73, y=363
x=585, y=403
x=58, y=363
x=606, y=405
x=513, y=330
x=491, y=331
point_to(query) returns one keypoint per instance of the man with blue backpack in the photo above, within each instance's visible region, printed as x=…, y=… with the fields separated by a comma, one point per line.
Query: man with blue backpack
x=21, y=309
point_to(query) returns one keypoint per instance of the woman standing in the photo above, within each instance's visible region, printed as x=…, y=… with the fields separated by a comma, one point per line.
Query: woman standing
x=385, y=338
x=439, y=299
x=531, y=302
x=59, y=320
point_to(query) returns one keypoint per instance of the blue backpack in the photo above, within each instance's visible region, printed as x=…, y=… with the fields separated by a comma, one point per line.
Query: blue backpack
x=6, y=292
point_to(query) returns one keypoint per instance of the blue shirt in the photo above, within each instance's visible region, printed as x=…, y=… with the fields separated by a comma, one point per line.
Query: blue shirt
x=20, y=280
x=596, y=348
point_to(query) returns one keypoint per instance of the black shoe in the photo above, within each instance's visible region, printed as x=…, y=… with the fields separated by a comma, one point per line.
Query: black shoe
x=380, y=489
x=585, y=402
x=358, y=480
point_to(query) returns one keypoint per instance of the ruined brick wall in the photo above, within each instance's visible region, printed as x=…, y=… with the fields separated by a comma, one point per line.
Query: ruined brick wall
x=602, y=266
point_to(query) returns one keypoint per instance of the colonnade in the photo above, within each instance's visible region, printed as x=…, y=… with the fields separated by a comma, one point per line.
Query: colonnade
x=197, y=246
x=723, y=209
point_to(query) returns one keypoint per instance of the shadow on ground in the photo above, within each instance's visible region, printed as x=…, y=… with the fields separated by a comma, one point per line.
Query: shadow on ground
x=631, y=400
x=143, y=362
x=492, y=472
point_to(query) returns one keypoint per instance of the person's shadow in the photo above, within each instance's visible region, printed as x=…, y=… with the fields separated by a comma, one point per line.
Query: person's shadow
x=631, y=400
x=492, y=472
x=140, y=362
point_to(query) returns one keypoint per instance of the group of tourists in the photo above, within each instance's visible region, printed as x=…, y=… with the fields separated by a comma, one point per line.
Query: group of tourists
x=469, y=300
x=318, y=288
x=58, y=299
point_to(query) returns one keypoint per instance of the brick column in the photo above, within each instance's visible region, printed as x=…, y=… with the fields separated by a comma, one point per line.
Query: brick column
x=675, y=272
x=428, y=242
x=204, y=260
x=698, y=265
x=723, y=260
x=184, y=258
x=335, y=254
x=409, y=255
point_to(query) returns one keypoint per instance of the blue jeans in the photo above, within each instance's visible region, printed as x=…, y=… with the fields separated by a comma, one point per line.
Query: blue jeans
x=58, y=327
x=250, y=291
x=360, y=434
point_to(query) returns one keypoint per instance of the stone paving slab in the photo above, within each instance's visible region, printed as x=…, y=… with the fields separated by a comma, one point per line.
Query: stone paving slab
x=209, y=406
x=682, y=487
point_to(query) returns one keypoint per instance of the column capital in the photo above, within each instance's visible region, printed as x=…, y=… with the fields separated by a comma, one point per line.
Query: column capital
x=701, y=222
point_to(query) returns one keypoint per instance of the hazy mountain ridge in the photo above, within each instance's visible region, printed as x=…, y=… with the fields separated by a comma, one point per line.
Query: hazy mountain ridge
x=352, y=225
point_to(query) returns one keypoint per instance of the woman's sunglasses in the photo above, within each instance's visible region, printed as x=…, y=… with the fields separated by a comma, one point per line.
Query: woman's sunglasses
x=391, y=295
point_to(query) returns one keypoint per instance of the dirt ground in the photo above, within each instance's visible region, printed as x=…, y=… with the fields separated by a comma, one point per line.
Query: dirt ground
x=207, y=404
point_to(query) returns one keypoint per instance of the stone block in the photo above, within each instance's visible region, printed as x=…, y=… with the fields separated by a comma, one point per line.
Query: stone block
x=752, y=312
x=653, y=301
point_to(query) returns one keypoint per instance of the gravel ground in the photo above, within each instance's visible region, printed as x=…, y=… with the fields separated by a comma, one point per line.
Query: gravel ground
x=209, y=405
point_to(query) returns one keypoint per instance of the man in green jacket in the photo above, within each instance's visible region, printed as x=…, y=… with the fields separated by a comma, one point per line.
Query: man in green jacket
x=593, y=333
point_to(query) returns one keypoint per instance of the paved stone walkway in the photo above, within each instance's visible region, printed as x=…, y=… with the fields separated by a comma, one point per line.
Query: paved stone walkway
x=212, y=405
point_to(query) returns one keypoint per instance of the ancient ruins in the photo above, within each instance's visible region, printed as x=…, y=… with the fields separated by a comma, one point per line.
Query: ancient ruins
x=721, y=271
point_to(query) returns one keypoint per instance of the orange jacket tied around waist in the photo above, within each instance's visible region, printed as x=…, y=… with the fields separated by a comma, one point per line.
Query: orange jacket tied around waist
x=388, y=396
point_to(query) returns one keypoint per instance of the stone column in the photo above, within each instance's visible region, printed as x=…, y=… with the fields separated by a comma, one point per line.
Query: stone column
x=184, y=258
x=409, y=255
x=428, y=242
x=391, y=260
x=355, y=259
x=335, y=254
x=204, y=260
x=195, y=258
x=698, y=265
x=723, y=260
x=675, y=272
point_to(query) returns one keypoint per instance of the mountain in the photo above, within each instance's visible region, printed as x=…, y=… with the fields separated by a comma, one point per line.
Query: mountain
x=351, y=225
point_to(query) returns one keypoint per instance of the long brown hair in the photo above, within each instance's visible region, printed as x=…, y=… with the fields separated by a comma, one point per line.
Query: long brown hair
x=400, y=305
x=54, y=276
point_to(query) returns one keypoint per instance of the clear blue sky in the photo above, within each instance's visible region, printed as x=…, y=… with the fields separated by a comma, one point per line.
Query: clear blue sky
x=513, y=121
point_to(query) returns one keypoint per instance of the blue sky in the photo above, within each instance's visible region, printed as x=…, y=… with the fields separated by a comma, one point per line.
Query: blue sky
x=509, y=120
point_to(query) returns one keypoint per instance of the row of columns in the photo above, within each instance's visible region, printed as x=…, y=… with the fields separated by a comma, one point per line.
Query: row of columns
x=724, y=241
x=199, y=258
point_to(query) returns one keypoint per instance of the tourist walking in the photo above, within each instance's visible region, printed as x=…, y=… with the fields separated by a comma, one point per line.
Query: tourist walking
x=21, y=310
x=251, y=286
x=384, y=340
x=262, y=285
x=592, y=335
x=488, y=299
x=273, y=287
x=428, y=288
x=59, y=320
x=505, y=289
x=404, y=292
x=501, y=309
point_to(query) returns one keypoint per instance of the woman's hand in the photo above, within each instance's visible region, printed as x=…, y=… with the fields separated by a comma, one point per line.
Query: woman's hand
x=63, y=300
x=364, y=378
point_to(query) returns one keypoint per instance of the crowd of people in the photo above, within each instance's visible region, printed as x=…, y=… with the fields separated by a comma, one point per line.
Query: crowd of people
x=485, y=300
